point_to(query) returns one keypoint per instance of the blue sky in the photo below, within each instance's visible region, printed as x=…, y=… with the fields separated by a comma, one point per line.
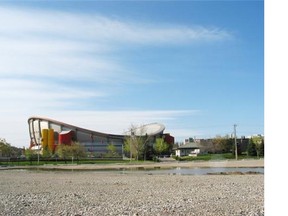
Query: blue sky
x=195, y=66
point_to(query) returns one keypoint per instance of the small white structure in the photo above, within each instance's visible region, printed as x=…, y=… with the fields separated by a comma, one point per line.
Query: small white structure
x=188, y=149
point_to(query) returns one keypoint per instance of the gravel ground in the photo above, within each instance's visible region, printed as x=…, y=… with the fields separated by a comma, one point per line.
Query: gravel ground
x=24, y=192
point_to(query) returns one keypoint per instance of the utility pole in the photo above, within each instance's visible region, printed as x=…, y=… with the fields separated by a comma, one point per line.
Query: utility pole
x=235, y=140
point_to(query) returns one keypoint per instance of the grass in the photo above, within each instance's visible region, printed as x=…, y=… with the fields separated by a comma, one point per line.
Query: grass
x=206, y=157
x=68, y=161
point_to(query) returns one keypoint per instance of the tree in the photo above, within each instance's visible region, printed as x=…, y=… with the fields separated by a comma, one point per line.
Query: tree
x=257, y=140
x=160, y=146
x=63, y=151
x=239, y=149
x=46, y=153
x=217, y=142
x=228, y=146
x=134, y=145
x=222, y=144
x=251, y=148
x=261, y=151
x=5, y=148
x=137, y=143
x=30, y=155
x=77, y=150
x=112, y=152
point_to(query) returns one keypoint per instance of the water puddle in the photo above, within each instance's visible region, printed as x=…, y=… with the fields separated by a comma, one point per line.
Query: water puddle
x=191, y=171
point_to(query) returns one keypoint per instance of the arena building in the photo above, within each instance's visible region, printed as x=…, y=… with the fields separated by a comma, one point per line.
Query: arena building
x=45, y=132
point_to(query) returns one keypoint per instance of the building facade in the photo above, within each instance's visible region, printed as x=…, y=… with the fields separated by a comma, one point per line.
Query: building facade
x=45, y=132
x=188, y=149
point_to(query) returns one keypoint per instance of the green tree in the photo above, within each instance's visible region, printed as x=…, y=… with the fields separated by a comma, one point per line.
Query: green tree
x=63, y=151
x=222, y=144
x=217, y=144
x=77, y=150
x=160, y=146
x=239, y=149
x=257, y=140
x=251, y=148
x=261, y=151
x=112, y=151
x=46, y=153
x=5, y=148
x=134, y=145
x=228, y=145
x=30, y=155
x=128, y=147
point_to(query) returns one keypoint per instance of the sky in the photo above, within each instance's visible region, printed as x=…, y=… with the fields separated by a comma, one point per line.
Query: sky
x=195, y=66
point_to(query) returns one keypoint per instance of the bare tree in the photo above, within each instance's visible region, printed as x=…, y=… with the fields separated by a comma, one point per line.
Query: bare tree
x=137, y=142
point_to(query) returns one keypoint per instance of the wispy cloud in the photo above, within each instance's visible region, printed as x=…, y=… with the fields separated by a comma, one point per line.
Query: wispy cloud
x=99, y=28
x=43, y=52
x=73, y=46
x=17, y=94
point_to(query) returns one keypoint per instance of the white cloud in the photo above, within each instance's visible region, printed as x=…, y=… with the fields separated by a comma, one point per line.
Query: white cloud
x=95, y=27
x=19, y=94
x=39, y=48
x=79, y=46
x=73, y=46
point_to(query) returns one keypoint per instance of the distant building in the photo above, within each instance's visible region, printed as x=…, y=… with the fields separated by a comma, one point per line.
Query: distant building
x=50, y=133
x=206, y=145
x=188, y=149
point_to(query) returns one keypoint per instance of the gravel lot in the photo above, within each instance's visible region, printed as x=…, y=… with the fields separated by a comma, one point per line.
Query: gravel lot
x=24, y=192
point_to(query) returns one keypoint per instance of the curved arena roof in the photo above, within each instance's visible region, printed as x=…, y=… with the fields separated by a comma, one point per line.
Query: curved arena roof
x=148, y=129
x=36, y=124
x=71, y=127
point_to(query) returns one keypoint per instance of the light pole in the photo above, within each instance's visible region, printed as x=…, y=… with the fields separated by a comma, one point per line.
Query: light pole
x=235, y=140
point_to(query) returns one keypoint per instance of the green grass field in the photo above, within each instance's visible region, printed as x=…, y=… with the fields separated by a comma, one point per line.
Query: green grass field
x=206, y=157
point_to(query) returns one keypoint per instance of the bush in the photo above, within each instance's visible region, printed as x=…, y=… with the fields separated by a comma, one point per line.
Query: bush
x=155, y=159
x=175, y=157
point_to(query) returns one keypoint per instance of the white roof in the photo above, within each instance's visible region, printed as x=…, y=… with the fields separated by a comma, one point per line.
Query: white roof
x=149, y=129
x=65, y=132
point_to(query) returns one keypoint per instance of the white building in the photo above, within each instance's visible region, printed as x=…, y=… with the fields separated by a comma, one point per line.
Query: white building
x=188, y=149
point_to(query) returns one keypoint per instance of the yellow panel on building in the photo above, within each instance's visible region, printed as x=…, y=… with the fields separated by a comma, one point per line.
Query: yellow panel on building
x=51, y=139
x=44, y=140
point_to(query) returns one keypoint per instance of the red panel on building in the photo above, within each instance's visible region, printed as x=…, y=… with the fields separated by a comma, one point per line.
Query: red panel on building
x=169, y=139
x=65, y=137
